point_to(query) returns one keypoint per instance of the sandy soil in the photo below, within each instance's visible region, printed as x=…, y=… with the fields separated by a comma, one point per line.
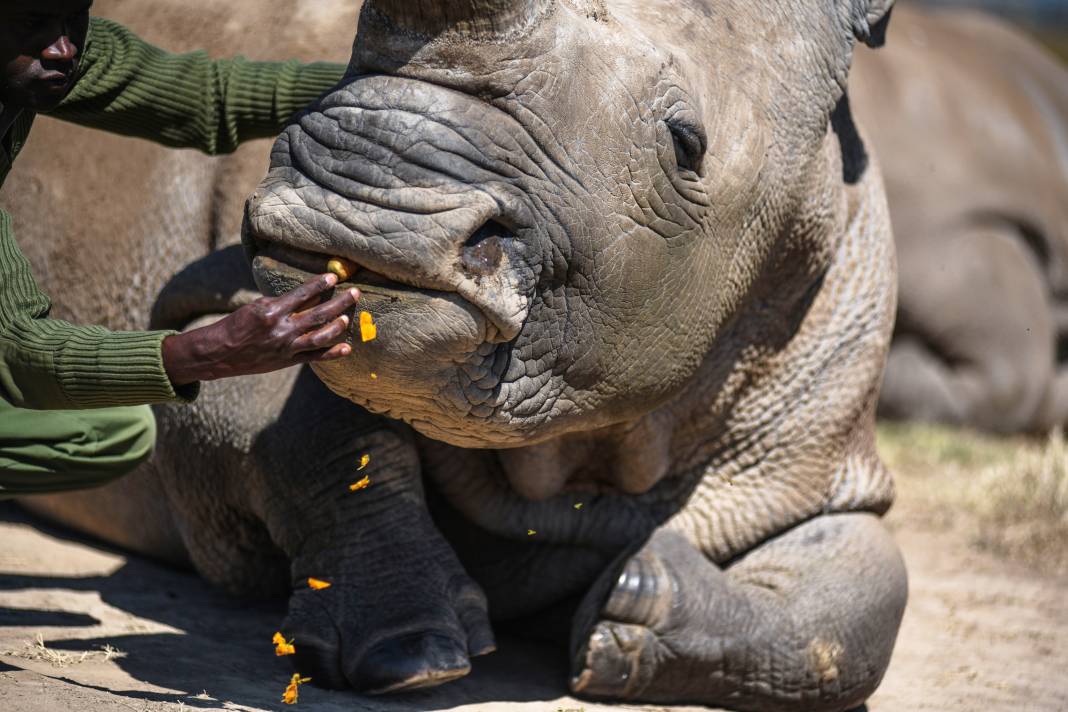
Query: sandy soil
x=980, y=633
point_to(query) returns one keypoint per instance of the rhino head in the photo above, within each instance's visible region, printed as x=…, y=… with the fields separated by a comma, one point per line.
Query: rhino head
x=559, y=208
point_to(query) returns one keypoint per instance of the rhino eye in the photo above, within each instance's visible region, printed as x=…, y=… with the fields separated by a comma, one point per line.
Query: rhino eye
x=690, y=143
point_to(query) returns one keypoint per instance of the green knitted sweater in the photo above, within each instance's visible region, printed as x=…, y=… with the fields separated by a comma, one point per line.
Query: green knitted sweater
x=129, y=87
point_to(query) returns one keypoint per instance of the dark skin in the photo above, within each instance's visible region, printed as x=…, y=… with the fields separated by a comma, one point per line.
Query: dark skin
x=40, y=47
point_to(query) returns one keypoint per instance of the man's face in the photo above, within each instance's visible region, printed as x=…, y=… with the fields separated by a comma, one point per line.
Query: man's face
x=41, y=42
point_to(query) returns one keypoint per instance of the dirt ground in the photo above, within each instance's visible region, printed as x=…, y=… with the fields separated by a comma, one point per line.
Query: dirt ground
x=83, y=627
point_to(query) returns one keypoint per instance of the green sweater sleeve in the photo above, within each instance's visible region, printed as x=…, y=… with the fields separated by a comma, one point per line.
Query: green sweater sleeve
x=48, y=363
x=129, y=87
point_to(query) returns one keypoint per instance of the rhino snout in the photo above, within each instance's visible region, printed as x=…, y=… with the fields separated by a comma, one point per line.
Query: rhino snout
x=415, y=183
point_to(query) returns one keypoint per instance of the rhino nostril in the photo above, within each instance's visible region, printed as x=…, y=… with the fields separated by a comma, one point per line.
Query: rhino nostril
x=482, y=252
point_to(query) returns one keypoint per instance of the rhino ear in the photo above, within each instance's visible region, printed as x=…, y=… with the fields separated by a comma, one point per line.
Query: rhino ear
x=870, y=19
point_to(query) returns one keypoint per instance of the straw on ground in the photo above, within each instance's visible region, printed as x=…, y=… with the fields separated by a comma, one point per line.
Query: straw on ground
x=38, y=650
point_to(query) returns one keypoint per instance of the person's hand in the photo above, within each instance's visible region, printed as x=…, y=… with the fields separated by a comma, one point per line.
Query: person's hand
x=269, y=334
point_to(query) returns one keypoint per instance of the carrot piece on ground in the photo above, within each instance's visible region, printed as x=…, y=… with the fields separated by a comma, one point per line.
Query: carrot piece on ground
x=290, y=695
x=281, y=647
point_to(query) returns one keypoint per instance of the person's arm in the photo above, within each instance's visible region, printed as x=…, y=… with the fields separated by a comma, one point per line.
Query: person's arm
x=48, y=363
x=130, y=87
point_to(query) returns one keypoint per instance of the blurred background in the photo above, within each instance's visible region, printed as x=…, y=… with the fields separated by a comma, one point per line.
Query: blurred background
x=1047, y=19
x=1028, y=10
x=1006, y=491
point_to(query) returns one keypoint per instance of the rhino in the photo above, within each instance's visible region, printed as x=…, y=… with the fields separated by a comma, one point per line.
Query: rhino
x=970, y=120
x=633, y=279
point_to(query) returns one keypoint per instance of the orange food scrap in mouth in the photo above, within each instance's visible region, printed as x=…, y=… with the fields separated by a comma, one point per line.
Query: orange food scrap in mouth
x=368, y=330
x=318, y=584
x=362, y=484
x=289, y=697
x=364, y=459
x=374, y=376
x=281, y=647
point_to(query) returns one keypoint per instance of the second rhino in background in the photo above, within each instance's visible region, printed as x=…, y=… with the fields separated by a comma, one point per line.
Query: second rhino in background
x=969, y=119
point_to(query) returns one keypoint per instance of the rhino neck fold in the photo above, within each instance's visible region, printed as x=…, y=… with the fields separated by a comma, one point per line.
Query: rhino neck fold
x=626, y=459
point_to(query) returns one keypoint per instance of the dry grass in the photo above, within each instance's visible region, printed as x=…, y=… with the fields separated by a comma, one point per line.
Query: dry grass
x=1023, y=508
x=36, y=649
x=1012, y=491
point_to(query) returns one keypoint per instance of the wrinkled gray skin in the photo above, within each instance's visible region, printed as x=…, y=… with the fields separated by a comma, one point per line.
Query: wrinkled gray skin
x=970, y=121
x=618, y=257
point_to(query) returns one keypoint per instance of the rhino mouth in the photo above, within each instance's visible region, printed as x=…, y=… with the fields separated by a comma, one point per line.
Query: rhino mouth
x=278, y=268
x=281, y=268
x=436, y=353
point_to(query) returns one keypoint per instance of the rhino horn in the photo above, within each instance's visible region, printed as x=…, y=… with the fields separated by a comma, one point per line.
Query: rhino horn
x=475, y=18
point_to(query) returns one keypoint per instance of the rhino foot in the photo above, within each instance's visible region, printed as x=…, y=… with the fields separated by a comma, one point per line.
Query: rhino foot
x=619, y=657
x=408, y=617
x=410, y=662
x=806, y=621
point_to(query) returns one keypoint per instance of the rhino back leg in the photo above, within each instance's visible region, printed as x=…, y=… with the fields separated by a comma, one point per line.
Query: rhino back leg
x=806, y=621
x=131, y=512
x=975, y=335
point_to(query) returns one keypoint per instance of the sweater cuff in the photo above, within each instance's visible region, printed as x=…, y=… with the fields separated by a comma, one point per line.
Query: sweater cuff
x=99, y=368
x=310, y=81
x=264, y=96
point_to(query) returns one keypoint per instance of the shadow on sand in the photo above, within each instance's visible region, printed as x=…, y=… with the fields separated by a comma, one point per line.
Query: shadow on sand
x=221, y=646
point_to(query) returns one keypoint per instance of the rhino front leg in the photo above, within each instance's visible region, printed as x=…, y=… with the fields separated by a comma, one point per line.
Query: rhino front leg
x=806, y=621
x=400, y=612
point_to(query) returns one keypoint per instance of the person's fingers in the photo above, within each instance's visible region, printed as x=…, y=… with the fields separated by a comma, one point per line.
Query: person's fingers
x=333, y=353
x=327, y=311
x=293, y=301
x=322, y=338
